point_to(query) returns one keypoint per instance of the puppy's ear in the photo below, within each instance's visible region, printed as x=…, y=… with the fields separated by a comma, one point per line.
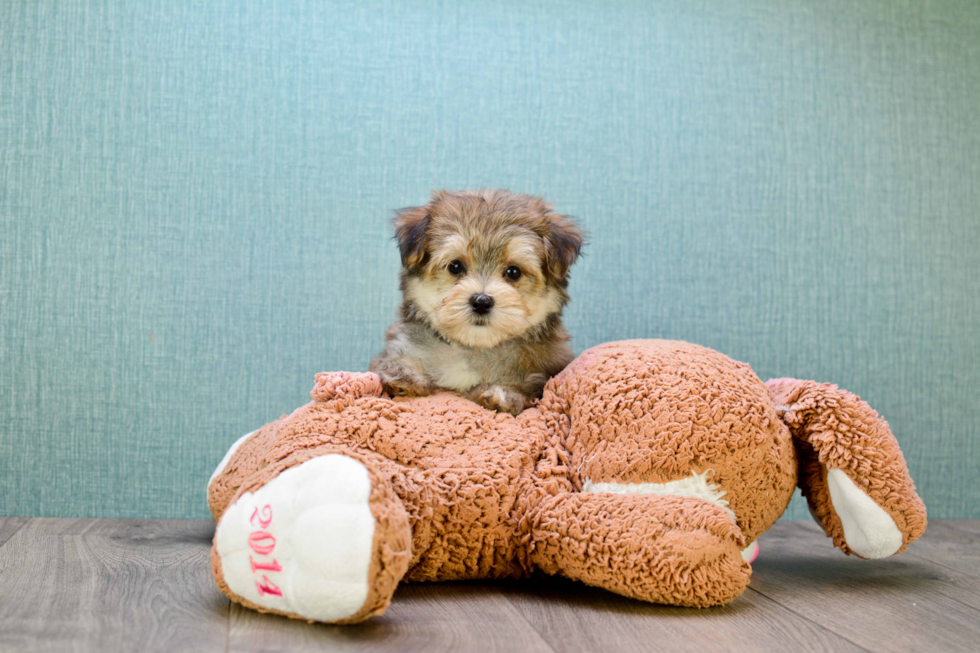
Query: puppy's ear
x=411, y=231
x=563, y=242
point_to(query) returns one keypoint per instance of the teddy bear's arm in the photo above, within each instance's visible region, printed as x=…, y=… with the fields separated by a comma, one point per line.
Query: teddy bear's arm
x=642, y=546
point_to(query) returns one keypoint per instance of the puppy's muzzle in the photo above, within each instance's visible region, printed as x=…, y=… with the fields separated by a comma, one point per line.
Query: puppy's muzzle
x=481, y=304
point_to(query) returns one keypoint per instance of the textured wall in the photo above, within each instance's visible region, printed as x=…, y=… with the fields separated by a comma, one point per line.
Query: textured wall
x=194, y=205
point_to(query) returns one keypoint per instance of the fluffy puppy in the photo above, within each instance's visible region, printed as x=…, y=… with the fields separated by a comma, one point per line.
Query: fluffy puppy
x=484, y=278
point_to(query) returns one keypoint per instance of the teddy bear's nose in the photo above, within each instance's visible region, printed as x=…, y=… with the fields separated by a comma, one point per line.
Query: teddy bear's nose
x=481, y=303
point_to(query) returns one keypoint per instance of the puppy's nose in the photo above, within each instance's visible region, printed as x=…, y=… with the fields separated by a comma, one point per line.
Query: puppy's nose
x=481, y=303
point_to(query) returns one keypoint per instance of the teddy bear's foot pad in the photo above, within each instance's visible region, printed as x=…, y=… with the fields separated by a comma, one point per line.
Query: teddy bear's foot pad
x=303, y=543
x=869, y=531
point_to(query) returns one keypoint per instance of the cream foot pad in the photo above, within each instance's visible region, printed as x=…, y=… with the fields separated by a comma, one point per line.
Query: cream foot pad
x=302, y=544
x=868, y=530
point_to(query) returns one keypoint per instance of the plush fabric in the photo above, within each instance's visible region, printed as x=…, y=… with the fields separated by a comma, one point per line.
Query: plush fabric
x=195, y=204
x=839, y=431
x=459, y=492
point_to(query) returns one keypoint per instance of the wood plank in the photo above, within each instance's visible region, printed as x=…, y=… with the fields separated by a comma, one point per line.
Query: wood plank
x=573, y=617
x=9, y=526
x=106, y=585
x=110, y=585
x=955, y=544
x=905, y=603
x=430, y=617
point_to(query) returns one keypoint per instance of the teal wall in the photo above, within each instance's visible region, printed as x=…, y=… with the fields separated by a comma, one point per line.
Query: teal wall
x=195, y=196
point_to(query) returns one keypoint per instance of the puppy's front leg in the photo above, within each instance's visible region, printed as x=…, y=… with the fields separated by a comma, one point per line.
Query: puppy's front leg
x=499, y=398
x=399, y=379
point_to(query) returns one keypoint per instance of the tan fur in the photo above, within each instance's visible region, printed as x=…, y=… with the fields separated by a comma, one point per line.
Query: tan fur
x=838, y=430
x=502, y=359
x=488, y=495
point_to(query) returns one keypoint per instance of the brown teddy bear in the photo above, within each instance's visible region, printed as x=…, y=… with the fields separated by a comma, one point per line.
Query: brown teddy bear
x=648, y=468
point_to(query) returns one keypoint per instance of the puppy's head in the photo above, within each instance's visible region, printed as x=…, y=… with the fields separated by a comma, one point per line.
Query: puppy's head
x=483, y=267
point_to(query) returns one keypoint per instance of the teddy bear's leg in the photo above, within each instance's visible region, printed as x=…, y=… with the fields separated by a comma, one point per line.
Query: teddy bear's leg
x=320, y=536
x=663, y=549
x=247, y=455
x=852, y=471
x=243, y=459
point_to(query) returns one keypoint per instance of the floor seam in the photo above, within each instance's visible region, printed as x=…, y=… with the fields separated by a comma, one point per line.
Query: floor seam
x=806, y=618
x=520, y=613
x=941, y=564
x=26, y=521
x=951, y=598
x=228, y=629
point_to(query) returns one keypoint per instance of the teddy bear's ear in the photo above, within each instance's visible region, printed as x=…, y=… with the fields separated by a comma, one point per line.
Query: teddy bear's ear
x=411, y=232
x=563, y=243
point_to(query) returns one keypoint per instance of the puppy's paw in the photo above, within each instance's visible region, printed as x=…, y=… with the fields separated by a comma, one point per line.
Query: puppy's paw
x=499, y=398
x=403, y=382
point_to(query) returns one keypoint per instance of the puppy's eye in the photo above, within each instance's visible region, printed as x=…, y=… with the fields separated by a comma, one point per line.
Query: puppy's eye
x=456, y=267
x=513, y=273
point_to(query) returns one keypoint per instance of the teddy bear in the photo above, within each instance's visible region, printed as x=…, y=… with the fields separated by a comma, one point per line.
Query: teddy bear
x=648, y=468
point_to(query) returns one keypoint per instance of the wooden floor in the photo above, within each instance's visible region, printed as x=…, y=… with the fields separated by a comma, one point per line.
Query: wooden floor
x=134, y=585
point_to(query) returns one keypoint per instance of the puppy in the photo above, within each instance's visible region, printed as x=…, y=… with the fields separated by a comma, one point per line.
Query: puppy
x=484, y=278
